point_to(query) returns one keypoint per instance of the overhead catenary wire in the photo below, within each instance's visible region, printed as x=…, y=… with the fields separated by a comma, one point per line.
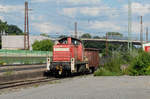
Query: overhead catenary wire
x=80, y=19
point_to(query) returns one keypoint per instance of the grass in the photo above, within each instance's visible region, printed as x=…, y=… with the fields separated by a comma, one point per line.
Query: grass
x=105, y=72
x=2, y=63
x=112, y=67
x=54, y=82
x=35, y=86
x=8, y=73
x=51, y=82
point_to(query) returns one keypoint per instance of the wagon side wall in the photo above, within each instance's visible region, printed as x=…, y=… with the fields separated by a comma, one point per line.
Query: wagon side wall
x=93, y=57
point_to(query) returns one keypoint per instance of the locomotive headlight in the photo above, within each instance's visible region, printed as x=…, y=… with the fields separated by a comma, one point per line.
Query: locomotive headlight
x=60, y=72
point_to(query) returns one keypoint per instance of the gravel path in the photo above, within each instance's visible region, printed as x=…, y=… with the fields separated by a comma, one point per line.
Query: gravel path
x=89, y=87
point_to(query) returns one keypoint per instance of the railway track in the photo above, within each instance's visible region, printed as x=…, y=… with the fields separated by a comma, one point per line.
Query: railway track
x=19, y=68
x=25, y=82
x=1, y=66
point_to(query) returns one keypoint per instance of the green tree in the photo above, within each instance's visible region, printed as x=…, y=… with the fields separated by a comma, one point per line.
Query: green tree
x=62, y=36
x=10, y=29
x=14, y=30
x=44, y=45
x=87, y=35
x=97, y=45
x=44, y=34
x=3, y=26
x=114, y=34
x=96, y=37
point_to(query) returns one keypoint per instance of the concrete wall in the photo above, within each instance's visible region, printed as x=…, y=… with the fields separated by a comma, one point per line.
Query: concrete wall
x=17, y=42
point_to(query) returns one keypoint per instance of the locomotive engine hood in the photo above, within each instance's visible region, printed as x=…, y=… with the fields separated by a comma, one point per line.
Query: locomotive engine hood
x=68, y=48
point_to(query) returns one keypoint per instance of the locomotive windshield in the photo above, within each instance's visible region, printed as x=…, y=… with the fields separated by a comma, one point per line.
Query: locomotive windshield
x=63, y=41
x=74, y=41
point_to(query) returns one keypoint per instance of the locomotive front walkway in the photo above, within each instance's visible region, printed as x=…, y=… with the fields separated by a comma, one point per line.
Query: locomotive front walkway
x=89, y=87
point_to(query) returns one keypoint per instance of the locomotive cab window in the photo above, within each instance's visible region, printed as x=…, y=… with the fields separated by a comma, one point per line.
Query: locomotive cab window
x=63, y=42
x=75, y=42
x=72, y=40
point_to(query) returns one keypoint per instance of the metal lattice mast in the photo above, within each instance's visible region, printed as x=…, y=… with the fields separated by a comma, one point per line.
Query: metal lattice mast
x=26, y=28
x=147, y=34
x=141, y=33
x=28, y=45
x=129, y=25
x=106, y=50
x=76, y=32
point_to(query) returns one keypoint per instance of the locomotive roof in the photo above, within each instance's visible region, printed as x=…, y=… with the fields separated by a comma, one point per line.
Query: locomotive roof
x=65, y=38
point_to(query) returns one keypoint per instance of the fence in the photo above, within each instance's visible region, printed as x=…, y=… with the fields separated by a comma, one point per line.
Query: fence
x=25, y=53
x=23, y=56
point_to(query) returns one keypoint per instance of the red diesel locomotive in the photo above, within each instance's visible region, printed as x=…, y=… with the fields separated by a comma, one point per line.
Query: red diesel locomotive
x=69, y=56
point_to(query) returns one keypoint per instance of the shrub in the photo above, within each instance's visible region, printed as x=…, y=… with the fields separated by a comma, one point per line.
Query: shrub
x=136, y=62
x=111, y=66
x=141, y=64
x=44, y=45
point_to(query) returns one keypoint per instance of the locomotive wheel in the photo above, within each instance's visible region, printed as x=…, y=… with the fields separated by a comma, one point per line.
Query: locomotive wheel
x=68, y=74
x=82, y=69
x=92, y=69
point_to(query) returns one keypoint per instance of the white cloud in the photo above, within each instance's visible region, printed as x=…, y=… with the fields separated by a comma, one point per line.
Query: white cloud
x=95, y=11
x=40, y=1
x=11, y=8
x=35, y=17
x=105, y=25
x=80, y=1
x=120, y=0
x=137, y=8
x=136, y=27
x=47, y=27
x=2, y=18
x=71, y=12
x=89, y=11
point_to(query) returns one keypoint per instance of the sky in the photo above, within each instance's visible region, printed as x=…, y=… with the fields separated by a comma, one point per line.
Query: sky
x=57, y=17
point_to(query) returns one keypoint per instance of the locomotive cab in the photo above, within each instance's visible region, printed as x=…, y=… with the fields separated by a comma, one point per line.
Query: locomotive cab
x=68, y=57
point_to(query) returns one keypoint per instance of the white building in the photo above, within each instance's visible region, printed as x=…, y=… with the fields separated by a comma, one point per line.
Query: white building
x=17, y=42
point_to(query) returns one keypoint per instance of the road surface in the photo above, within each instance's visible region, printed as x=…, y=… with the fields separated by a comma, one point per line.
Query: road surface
x=88, y=87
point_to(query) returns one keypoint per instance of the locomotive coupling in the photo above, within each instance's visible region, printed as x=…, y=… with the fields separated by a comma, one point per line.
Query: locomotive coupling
x=59, y=69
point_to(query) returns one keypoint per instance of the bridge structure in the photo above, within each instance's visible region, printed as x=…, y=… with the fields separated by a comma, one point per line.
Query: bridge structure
x=134, y=42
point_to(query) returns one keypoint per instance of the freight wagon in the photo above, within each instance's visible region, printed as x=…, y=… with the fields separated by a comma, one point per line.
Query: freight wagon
x=69, y=56
x=93, y=58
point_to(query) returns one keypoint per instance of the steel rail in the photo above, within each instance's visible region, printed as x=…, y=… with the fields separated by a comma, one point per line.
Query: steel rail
x=25, y=82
